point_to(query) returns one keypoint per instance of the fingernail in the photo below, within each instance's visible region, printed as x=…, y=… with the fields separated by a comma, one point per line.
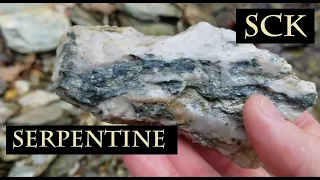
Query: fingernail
x=268, y=108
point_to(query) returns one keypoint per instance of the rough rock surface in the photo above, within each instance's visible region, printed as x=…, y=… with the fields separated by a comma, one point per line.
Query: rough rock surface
x=198, y=80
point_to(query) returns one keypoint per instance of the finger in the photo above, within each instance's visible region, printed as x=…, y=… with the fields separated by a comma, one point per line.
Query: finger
x=308, y=123
x=226, y=167
x=283, y=147
x=189, y=163
x=150, y=166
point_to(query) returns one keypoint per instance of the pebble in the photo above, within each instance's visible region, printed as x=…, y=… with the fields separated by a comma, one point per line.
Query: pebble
x=38, y=116
x=7, y=110
x=38, y=165
x=22, y=171
x=74, y=170
x=36, y=30
x=38, y=159
x=37, y=98
x=150, y=11
x=96, y=161
x=121, y=172
x=22, y=86
x=62, y=165
x=82, y=17
x=148, y=28
x=72, y=110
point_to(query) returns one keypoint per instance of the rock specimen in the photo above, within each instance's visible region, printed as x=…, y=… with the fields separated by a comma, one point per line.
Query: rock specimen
x=198, y=80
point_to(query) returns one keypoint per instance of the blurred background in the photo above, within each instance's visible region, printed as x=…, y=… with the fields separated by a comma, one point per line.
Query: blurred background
x=29, y=36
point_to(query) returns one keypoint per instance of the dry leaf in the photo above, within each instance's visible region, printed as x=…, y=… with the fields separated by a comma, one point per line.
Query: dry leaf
x=10, y=73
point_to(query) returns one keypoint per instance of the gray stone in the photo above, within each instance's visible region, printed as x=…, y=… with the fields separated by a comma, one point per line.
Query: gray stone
x=67, y=107
x=39, y=163
x=62, y=165
x=147, y=28
x=82, y=17
x=39, y=116
x=22, y=171
x=34, y=30
x=150, y=11
x=38, y=98
x=7, y=110
x=198, y=80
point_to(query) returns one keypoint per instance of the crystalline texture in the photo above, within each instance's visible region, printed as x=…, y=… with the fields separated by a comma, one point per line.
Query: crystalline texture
x=198, y=80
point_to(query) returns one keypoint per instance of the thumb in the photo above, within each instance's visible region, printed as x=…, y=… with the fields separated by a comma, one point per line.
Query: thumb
x=284, y=148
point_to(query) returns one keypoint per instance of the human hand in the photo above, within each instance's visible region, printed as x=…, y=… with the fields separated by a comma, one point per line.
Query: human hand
x=285, y=148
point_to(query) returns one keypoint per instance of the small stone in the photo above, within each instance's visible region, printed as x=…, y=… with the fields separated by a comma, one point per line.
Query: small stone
x=39, y=164
x=121, y=172
x=150, y=11
x=67, y=107
x=22, y=86
x=39, y=116
x=36, y=30
x=96, y=161
x=74, y=170
x=62, y=165
x=38, y=159
x=22, y=171
x=37, y=98
x=148, y=28
x=82, y=17
x=7, y=110
x=198, y=80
